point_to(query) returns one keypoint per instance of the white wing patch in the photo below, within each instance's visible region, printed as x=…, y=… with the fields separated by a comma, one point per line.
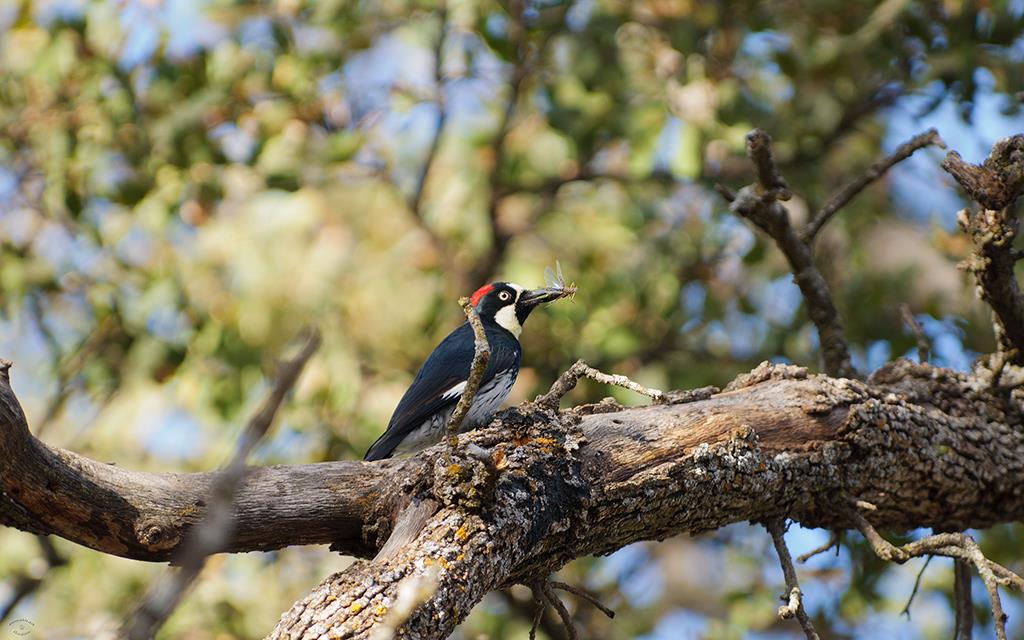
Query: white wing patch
x=455, y=391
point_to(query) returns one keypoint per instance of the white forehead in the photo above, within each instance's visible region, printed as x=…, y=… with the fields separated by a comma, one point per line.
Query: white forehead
x=519, y=290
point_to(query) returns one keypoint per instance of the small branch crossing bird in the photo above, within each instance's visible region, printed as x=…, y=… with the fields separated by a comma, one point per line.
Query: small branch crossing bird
x=422, y=415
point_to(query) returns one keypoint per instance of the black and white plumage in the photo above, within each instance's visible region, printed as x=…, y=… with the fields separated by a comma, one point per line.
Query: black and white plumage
x=422, y=414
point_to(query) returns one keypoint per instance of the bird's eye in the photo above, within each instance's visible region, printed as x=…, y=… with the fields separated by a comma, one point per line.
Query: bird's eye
x=505, y=295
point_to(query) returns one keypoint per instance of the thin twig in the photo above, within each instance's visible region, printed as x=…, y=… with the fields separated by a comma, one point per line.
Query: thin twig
x=833, y=541
x=841, y=198
x=580, y=369
x=481, y=355
x=563, y=613
x=917, y=585
x=950, y=545
x=924, y=346
x=538, y=611
x=585, y=595
x=795, y=605
x=211, y=534
x=962, y=599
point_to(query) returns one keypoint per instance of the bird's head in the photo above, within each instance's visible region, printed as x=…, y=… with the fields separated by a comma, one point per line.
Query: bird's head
x=508, y=304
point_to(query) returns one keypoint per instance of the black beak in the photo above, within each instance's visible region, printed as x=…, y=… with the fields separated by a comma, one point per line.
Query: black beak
x=536, y=297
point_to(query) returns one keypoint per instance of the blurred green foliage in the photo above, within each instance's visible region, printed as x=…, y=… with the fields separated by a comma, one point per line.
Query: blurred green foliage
x=184, y=184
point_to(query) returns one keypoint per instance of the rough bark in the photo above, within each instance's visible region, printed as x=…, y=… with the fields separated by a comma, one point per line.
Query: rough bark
x=995, y=185
x=929, y=447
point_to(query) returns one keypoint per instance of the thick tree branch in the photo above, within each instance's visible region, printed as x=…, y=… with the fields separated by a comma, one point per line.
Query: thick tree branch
x=995, y=185
x=927, y=446
x=580, y=483
x=841, y=198
x=759, y=203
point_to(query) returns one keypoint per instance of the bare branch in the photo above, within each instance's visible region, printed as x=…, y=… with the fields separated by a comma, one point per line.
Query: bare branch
x=538, y=613
x=995, y=184
x=795, y=606
x=563, y=613
x=582, y=593
x=580, y=369
x=952, y=545
x=962, y=600
x=759, y=150
x=833, y=541
x=759, y=204
x=211, y=535
x=481, y=355
x=917, y=586
x=923, y=344
x=841, y=198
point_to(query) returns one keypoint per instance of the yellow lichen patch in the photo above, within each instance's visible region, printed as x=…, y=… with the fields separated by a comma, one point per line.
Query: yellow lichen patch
x=356, y=607
x=461, y=534
x=380, y=611
x=546, y=443
x=453, y=469
x=443, y=563
x=331, y=598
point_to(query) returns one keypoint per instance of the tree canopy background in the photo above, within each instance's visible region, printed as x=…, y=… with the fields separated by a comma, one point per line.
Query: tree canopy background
x=184, y=184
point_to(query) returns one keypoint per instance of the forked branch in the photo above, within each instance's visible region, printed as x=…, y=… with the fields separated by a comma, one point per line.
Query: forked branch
x=759, y=203
x=958, y=546
x=580, y=369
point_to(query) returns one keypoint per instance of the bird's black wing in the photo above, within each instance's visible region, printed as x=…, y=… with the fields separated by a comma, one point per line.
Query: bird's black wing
x=431, y=391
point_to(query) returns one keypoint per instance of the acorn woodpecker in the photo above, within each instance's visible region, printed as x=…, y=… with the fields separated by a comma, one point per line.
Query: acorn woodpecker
x=423, y=412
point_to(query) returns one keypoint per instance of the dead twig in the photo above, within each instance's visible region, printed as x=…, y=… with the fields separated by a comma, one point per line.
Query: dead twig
x=563, y=613
x=213, y=532
x=580, y=369
x=794, y=606
x=592, y=599
x=962, y=599
x=538, y=612
x=841, y=198
x=759, y=203
x=917, y=586
x=951, y=545
x=924, y=346
x=833, y=541
x=995, y=185
x=544, y=594
x=481, y=355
